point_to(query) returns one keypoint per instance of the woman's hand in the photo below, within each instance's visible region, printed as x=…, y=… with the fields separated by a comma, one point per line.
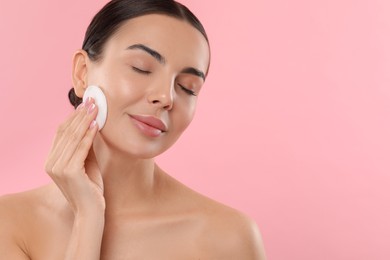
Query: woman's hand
x=72, y=164
x=73, y=167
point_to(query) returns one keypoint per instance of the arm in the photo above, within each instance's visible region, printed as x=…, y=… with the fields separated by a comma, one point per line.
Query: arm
x=72, y=166
x=86, y=237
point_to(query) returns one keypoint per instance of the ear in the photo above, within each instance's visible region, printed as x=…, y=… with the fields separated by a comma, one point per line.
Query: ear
x=80, y=72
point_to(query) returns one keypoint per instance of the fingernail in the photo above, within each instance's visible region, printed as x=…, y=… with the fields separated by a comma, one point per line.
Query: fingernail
x=80, y=106
x=91, y=108
x=92, y=125
x=88, y=101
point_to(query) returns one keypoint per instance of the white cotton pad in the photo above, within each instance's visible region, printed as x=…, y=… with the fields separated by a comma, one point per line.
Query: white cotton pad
x=100, y=101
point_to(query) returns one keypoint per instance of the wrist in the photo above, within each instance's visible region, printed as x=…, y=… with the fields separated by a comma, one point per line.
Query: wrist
x=90, y=215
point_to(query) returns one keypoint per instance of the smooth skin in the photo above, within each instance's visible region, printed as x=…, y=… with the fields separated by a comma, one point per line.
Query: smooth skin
x=109, y=200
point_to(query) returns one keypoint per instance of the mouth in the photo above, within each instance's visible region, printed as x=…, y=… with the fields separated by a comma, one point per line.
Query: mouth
x=149, y=125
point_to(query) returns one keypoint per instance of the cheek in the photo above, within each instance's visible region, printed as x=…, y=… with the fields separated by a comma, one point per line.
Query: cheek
x=122, y=92
x=117, y=80
x=184, y=117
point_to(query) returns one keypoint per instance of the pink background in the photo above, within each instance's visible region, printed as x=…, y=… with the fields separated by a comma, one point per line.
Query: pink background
x=292, y=127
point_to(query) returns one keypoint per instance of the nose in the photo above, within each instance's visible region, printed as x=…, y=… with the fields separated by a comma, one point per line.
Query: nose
x=161, y=95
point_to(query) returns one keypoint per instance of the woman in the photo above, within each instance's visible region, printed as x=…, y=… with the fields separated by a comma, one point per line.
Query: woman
x=109, y=200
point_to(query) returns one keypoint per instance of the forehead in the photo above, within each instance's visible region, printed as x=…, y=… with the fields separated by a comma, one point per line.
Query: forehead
x=178, y=41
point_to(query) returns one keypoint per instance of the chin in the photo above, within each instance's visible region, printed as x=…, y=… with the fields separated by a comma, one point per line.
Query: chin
x=135, y=146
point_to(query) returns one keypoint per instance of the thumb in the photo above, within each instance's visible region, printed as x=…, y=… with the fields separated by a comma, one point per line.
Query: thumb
x=92, y=169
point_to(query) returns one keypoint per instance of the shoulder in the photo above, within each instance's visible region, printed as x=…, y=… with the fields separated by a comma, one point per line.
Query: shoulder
x=19, y=210
x=21, y=215
x=14, y=219
x=226, y=233
x=12, y=207
x=16, y=203
x=232, y=234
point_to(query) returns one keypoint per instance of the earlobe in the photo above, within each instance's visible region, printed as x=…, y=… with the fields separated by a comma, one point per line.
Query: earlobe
x=80, y=72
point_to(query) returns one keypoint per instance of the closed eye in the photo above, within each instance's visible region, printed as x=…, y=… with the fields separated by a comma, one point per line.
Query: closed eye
x=141, y=71
x=188, y=91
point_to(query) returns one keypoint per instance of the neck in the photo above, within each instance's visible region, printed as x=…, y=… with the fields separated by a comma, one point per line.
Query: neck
x=129, y=182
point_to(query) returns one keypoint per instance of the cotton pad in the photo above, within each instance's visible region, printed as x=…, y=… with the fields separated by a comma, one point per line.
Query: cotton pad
x=100, y=101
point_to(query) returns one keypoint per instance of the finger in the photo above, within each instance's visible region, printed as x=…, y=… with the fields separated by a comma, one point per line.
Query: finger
x=92, y=169
x=68, y=177
x=66, y=135
x=55, y=149
x=74, y=124
x=81, y=152
x=76, y=136
x=68, y=121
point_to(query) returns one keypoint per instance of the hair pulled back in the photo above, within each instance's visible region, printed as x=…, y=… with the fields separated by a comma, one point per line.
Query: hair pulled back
x=108, y=20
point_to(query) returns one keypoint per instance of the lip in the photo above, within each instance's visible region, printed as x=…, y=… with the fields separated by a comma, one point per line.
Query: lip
x=149, y=125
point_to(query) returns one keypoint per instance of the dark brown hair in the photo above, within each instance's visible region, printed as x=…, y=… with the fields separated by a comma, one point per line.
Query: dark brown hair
x=108, y=20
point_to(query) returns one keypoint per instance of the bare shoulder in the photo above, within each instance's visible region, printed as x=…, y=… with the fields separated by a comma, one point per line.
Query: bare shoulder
x=12, y=207
x=18, y=208
x=235, y=234
x=15, y=217
x=226, y=233
x=17, y=203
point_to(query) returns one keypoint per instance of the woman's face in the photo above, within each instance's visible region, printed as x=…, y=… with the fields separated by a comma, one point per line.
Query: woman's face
x=151, y=72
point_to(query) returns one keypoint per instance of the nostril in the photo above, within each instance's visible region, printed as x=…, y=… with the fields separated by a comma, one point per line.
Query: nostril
x=166, y=106
x=162, y=101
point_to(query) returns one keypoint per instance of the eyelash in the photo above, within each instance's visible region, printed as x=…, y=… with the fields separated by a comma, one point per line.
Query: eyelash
x=188, y=91
x=141, y=71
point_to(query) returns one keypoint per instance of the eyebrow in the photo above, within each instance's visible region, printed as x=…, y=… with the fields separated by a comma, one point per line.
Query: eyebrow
x=161, y=59
x=195, y=72
x=154, y=53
